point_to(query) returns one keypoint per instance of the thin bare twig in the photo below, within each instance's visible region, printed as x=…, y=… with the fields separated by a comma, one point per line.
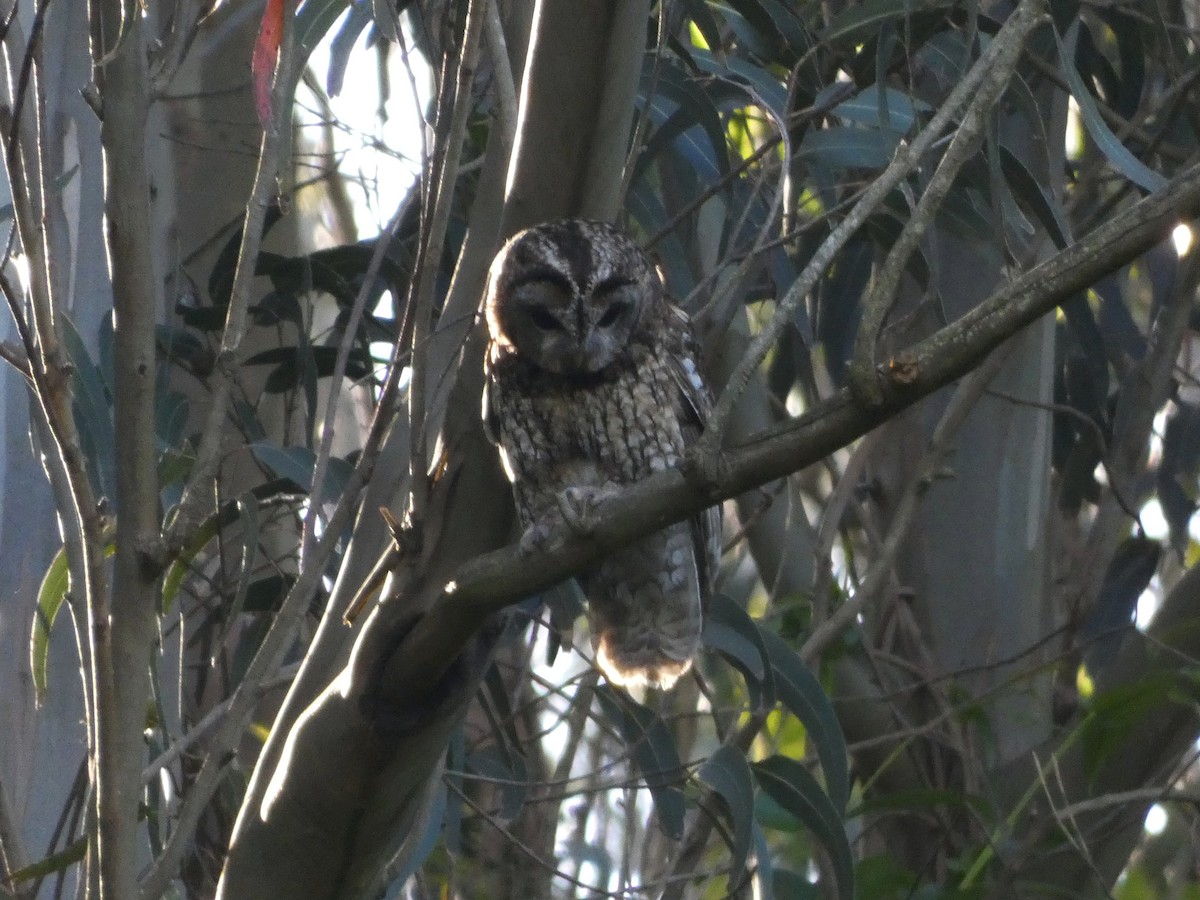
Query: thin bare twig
x=435, y=219
x=345, y=346
x=996, y=73
x=196, y=500
x=504, y=84
x=1097, y=433
x=211, y=718
x=1027, y=16
x=194, y=504
x=17, y=358
x=941, y=444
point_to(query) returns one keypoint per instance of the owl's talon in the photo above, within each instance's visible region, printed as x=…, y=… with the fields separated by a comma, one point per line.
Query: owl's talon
x=535, y=538
x=579, y=506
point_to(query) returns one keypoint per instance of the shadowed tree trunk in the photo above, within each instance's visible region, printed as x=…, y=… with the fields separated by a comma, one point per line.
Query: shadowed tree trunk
x=372, y=741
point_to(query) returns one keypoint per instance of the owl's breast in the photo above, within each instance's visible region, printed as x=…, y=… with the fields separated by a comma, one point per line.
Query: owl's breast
x=623, y=423
x=629, y=423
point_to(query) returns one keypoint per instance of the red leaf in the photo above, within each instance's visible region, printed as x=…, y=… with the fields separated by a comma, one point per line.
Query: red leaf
x=266, y=52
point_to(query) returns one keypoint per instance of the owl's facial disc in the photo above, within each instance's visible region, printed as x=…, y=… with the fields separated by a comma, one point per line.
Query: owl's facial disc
x=615, y=311
x=570, y=297
x=610, y=313
x=541, y=320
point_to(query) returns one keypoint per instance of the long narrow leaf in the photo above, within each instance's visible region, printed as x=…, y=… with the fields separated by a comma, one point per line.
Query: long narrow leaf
x=793, y=787
x=802, y=694
x=730, y=630
x=727, y=773
x=1110, y=145
x=51, y=594
x=653, y=749
x=861, y=20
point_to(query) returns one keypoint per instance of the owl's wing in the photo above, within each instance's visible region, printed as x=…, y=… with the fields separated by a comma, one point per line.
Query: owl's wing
x=695, y=409
x=489, y=414
x=684, y=355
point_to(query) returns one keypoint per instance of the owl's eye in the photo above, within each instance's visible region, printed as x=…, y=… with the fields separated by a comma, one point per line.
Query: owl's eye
x=544, y=320
x=615, y=310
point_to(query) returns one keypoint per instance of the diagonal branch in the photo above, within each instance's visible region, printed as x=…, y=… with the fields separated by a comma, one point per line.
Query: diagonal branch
x=489, y=583
x=435, y=217
x=996, y=74
x=1024, y=19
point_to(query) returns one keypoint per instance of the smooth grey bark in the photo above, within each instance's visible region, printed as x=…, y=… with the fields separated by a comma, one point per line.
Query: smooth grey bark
x=972, y=582
x=123, y=80
x=978, y=564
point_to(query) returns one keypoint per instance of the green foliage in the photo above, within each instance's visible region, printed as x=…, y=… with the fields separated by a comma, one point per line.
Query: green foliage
x=654, y=753
x=728, y=775
x=790, y=785
x=760, y=123
x=1115, y=714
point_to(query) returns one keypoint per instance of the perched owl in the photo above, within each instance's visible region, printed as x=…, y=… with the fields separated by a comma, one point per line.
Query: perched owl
x=592, y=384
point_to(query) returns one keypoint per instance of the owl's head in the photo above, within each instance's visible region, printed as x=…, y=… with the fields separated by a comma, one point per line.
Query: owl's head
x=568, y=296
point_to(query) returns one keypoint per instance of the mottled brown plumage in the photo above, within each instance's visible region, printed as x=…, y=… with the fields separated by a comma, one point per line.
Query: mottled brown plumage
x=593, y=384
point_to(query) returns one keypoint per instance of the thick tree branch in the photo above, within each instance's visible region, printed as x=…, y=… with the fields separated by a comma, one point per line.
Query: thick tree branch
x=995, y=73
x=489, y=583
x=123, y=648
x=360, y=759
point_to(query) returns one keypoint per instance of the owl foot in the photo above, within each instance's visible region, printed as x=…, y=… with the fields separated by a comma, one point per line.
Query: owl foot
x=536, y=538
x=579, y=506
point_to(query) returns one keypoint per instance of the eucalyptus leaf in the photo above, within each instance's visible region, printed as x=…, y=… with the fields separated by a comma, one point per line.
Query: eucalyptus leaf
x=796, y=790
x=728, y=774
x=803, y=695
x=1110, y=145
x=653, y=750
x=860, y=20
x=841, y=147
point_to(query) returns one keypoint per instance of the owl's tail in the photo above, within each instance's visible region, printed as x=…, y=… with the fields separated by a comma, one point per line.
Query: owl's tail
x=645, y=608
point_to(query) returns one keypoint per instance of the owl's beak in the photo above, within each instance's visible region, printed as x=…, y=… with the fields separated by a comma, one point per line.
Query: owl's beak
x=579, y=360
x=588, y=355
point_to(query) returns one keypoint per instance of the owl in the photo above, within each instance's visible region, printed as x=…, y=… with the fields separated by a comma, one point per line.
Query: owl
x=592, y=384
